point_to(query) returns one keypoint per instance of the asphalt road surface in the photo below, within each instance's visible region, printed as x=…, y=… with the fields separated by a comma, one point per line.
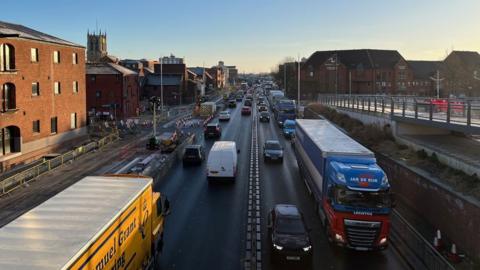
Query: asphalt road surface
x=206, y=229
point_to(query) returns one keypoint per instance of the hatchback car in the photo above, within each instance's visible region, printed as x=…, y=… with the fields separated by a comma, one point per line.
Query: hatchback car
x=288, y=235
x=264, y=117
x=224, y=116
x=272, y=150
x=246, y=110
x=213, y=130
x=193, y=154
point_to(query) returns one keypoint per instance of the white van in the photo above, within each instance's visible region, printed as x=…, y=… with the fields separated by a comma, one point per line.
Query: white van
x=222, y=160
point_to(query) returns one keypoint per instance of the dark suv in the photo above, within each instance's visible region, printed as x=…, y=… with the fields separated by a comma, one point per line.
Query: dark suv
x=213, y=130
x=288, y=235
x=193, y=154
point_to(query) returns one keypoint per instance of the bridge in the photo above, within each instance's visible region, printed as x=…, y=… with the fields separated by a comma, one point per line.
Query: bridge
x=460, y=115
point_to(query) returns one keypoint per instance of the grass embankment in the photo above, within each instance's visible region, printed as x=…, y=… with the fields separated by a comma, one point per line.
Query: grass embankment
x=381, y=140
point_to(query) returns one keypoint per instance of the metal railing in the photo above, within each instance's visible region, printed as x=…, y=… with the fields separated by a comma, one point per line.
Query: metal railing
x=30, y=174
x=426, y=255
x=464, y=112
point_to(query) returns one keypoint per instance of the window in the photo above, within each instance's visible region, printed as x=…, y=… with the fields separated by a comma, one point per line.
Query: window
x=7, y=57
x=36, y=126
x=56, y=57
x=93, y=77
x=98, y=93
x=8, y=97
x=75, y=86
x=73, y=120
x=9, y=140
x=74, y=58
x=34, y=55
x=57, y=88
x=35, y=89
x=53, y=125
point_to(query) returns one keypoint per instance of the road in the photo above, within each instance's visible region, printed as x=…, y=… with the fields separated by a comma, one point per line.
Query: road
x=206, y=229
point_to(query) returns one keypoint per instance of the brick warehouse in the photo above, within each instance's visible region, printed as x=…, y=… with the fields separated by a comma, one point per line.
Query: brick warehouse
x=112, y=90
x=364, y=71
x=42, y=80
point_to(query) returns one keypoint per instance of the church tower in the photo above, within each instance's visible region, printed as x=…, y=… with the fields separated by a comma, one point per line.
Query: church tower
x=96, y=46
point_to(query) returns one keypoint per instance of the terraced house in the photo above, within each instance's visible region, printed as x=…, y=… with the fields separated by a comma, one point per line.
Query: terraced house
x=42, y=91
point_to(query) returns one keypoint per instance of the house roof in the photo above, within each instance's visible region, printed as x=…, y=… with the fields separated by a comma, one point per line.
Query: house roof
x=367, y=58
x=199, y=71
x=108, y=68
x=156, y=80
x=20, y=31
x=469, y=58
x=424, y=69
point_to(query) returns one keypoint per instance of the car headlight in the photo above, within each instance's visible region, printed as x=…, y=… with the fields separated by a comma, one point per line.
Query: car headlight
x=307, y=248
x=277, y=247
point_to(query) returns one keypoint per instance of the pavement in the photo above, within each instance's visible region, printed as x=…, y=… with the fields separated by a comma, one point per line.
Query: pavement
x=207, y=226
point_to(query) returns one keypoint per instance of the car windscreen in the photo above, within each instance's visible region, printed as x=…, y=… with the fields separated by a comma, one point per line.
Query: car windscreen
x=273, y=146
x=356, y=198
x=211, y=128
x=289, y=225
x=264, y=114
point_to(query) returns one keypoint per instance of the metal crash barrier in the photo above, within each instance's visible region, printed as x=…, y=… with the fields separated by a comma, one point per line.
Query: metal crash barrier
x=30, y=174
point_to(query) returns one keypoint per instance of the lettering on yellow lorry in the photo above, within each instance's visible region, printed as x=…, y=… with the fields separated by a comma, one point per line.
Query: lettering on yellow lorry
x=106, y=223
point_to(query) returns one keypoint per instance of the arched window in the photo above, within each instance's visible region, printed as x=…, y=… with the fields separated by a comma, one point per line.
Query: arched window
x=9, y=140
x=8, y=97
x=7, y=57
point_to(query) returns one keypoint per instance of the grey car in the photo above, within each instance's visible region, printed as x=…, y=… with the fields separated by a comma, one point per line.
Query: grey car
x=273, y=151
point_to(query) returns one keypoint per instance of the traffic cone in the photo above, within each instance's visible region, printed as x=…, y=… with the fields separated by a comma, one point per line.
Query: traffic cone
x=435, y=243
x=453, y=255
x=439, y=245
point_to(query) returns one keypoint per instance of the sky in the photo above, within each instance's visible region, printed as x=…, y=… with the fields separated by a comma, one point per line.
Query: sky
x=256, y=35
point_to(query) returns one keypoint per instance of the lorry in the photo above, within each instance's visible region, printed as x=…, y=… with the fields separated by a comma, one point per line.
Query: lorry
x=351, y=192
x=273, y=96
x=99, y=223
x=208, y=108
x=284, y=109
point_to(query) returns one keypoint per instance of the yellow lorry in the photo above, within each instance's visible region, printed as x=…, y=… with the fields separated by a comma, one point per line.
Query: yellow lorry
x=108, y=222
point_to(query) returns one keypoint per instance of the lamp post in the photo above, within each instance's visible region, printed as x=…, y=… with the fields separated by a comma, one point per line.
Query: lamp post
x=298, y=81
x=437, y=79
x=154, y=101
x=161, y=82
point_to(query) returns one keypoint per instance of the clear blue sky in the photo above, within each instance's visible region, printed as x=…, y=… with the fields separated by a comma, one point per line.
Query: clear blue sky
x=256, y=35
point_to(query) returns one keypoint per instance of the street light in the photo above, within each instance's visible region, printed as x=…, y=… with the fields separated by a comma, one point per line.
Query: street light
x=437, y=79
x=154, y=101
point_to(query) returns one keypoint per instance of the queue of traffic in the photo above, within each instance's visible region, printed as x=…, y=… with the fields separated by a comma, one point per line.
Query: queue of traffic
x=122, y=218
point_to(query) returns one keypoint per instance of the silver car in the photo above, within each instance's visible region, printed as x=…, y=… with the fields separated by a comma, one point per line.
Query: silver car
x=273, y=151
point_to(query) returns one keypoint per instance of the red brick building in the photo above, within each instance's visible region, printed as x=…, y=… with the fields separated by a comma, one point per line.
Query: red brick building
x=112, y=91
x=42, y=84
x=363, y=71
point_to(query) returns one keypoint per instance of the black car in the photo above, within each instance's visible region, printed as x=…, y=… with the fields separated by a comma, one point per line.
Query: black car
x=264, y=117
x=288, y=235
x=193, y=154
x=239, y=98
x=248, y=103
x=232, y=103
x=213, y=130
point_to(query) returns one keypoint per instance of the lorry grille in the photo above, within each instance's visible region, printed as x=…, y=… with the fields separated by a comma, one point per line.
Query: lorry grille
x=362, y=233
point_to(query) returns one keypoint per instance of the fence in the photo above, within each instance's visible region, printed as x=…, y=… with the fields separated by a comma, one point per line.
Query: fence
x=30, y=174
x=452, y=111
x=426, y=256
